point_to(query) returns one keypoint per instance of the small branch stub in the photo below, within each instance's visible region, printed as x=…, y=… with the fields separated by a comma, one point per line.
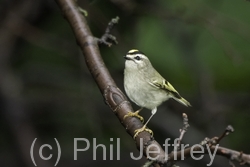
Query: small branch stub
x=183, y=130
x=84, y=12
x=107, y=38
x=229, y=129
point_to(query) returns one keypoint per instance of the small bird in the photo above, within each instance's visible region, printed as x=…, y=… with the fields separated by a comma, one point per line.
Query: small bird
x=146, y=87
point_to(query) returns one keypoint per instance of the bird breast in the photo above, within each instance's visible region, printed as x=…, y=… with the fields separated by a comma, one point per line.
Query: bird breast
x=141, y=92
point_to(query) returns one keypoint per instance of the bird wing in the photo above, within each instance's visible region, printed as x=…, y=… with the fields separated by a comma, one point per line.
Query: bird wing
x=165, y=85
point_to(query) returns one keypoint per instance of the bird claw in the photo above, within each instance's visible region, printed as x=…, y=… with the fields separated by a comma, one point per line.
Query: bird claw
x=134, y=114
x=137, y=131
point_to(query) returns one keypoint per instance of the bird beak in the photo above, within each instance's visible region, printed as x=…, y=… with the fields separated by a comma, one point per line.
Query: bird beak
x=127, y=58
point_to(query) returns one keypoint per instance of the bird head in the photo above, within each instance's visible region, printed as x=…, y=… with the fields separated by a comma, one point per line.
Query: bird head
x=136, y=60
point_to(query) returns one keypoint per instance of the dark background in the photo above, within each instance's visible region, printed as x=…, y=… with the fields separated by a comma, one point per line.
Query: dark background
x=47, y=92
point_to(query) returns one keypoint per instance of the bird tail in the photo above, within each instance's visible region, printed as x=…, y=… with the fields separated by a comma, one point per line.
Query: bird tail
x=183, y=101
x=174, y=94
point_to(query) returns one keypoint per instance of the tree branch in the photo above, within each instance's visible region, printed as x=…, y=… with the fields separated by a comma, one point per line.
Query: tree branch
x=232, y=155
x=117, y=101
x=114, y=98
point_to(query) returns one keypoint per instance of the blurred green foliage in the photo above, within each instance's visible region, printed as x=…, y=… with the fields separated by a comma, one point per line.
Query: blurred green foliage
x=201, y=47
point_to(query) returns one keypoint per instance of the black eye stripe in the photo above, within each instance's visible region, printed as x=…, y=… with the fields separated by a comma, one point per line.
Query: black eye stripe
x=136, y=52
x=138, y=58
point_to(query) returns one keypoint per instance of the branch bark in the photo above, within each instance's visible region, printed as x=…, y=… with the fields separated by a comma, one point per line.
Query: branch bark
x=116, y=100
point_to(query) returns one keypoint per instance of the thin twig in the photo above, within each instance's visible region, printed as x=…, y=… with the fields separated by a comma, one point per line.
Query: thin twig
x=231, y=163
x=229, y=129
x=215, y=140
x=107, y=38
x=183, y=130
x=185, y=126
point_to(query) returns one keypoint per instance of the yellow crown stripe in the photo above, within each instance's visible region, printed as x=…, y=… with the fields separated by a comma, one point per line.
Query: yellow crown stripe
x=133, y=50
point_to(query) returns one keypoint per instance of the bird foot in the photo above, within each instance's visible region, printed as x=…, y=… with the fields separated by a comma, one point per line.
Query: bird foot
x=137, y=131
x=134, y=114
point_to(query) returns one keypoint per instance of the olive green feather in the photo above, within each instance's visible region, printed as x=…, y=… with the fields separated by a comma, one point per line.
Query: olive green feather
x=165, y=85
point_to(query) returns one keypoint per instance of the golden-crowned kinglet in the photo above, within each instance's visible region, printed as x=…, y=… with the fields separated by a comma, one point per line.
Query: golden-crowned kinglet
x=145, y=86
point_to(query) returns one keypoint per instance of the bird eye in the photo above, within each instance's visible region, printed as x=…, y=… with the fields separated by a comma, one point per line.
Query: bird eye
x=138, y=58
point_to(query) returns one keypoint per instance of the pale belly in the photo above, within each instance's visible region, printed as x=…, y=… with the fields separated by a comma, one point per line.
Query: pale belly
x=143, y=94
